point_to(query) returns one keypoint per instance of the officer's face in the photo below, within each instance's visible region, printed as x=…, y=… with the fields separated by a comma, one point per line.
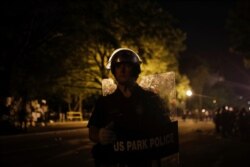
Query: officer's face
x=123, y=72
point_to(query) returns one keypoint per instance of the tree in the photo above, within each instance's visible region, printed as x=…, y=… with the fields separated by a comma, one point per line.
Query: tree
x=146, y=28
x=69, y=43
x=123, y=24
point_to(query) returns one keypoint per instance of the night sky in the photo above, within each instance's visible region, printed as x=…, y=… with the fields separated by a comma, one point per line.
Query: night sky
x=204, y=22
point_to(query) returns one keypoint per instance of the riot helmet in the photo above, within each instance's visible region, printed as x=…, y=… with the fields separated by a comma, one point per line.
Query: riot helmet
x=125, y=55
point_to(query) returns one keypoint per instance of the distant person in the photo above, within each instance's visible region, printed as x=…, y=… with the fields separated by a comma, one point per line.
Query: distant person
x=243, y=124
x=130, y=111
x=23, y=114
x=44, y=112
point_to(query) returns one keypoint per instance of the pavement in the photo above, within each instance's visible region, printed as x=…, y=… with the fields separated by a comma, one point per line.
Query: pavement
x=49, y=128
x=55, y=126
x=58, y=127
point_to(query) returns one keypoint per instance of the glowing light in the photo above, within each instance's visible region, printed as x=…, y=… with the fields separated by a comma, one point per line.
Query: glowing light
x=189, y=93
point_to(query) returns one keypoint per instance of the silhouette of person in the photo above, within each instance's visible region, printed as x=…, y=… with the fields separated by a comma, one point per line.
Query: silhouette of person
x=23, y=114
x=130, y=111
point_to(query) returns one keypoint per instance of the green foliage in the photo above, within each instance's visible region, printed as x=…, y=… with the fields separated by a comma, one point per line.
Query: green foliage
x=62, y=48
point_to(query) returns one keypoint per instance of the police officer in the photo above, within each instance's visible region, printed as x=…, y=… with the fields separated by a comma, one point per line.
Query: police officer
x=129, y=112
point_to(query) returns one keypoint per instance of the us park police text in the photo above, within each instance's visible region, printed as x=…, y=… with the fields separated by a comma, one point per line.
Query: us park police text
x=143, y=144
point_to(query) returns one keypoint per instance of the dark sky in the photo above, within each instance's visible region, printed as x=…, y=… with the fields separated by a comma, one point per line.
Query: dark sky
x=204, y=22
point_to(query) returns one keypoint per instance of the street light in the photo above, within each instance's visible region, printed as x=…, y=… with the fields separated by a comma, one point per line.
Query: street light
x=189, y=93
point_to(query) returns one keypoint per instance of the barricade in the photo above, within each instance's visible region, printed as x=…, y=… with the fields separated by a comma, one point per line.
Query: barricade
x=74, y=115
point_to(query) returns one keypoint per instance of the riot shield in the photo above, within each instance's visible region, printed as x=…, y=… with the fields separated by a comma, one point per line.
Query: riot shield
x=164, y=146
x=162, y=84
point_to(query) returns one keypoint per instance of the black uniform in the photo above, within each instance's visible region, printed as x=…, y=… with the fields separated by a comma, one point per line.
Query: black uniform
x=136, y=116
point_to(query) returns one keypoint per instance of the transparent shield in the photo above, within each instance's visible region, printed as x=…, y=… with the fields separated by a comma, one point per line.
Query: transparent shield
x=162, y=84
